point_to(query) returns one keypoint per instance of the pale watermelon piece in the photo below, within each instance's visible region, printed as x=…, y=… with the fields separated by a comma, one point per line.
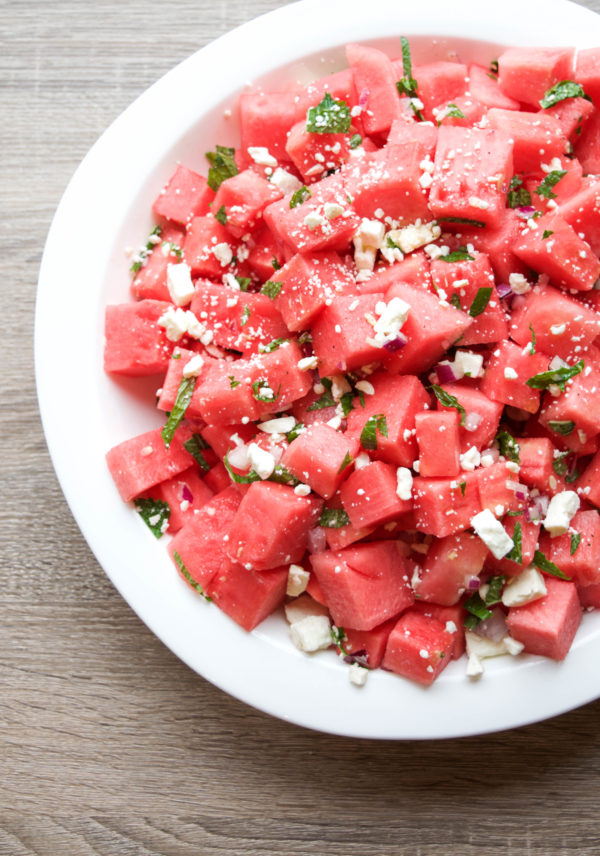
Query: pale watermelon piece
x=418, y=648
x=547, y=626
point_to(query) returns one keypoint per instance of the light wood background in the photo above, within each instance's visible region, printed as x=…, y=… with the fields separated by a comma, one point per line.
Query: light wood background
x=108, y=744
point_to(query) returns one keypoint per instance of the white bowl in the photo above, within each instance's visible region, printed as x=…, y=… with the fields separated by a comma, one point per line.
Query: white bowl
x=105, y=208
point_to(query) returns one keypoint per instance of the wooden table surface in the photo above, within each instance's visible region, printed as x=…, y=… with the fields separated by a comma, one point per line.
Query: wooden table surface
x=109, y=744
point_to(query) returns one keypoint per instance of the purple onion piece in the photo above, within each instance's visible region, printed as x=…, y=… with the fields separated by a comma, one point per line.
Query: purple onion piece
x=445, y=373
x=395, y=344
x=572, y=464
x=360, y=657
x=494, y=627
x=503, y=289
x=364, y=97
x=317, y=540
x=526, y=211
x=187, y=494
x=474, y=584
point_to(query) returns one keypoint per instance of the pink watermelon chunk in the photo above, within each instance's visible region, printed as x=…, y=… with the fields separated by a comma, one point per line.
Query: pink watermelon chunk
x=150, y=282
x=525, y=74
x=369, y=496
x=530, y=533
x=445, y=506
x=135, y=343
x=185, y=196
x=418, y=648
x=438, y=441
x=341, y=334
x=314, y=155
x=547, y=626
x=208, y=248
x=507, y=371
x=580, y=403
x=247, y=596
x=577, y=553
x=482, y=415
x=185, y=495
x=487, y=91
x=439, y=83
x=243, y=198
x=373, y=73
x=266, y=118
x=450, y=565
x=308, y=283
x=321, y=457
x=364, y=585
x=369, y=645
x=582, y=212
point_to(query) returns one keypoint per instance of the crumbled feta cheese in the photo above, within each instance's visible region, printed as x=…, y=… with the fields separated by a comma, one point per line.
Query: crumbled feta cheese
x=518, y=283
x=261, y=461
x=281, y=425
x=562, y=508
x=285, y=181
x=193, y=367
x=492, y=533
x=510, y=373
x=362, y=460
x=307, y=363
x=179, y=283
x=332, y=210
x=415, y=235
x=391, y=318
x=366, y=387
x=358, y=675
x=404, y=483
x=467, y=364
x=297, y=580
x=529, y=585
x=261, y=156
x=484, y=648
x=302, y=490
x=311, y=634
x=177, y=322
x=474, y=667
x=476, y=202
x=558, y=329
x=223, y=253
x=470, y=459
x=313, y=219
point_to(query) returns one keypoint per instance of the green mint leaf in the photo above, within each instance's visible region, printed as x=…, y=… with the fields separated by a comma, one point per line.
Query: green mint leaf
x=170, y=248
x=299, y=196
x=508, y=446
x=550, y=180
x=182, y=400
x=221, y=216
x=460, y=255
x=517, y=195
x=245, y=315
x=328, y=117
x=477, y=609
x=233, y=382
x=453, y=112
x=463, y=221
x=155, y=513
x=283, y=476
x=267, y=396
x=555, y=377
x=544, y=564
x=368, y=436
x=295, y=432
x=271, y=346
x=222, y=166
x=516, y=554
x=494, y=69
x=463, y=486
x=546, y=234
x=333, y=518
x=243, y=282
x=250, y=477
x=195, y=445
x=338, y=637
x=144, y=252
x=575, y=542
x=271, y=288
x=188, y=577
x=326, y=400
x=495, y=585
x=560, y=465
x=564, y=427
x=533, y=340
x=346, y=402
x=355, y=141
x=455, y=301
x=560, y=91
x=447, y=400
x=480, y=301
x=348, y=459
x=275, y=264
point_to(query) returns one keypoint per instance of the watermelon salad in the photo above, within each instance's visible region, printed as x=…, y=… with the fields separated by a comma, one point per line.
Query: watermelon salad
x=375, y=328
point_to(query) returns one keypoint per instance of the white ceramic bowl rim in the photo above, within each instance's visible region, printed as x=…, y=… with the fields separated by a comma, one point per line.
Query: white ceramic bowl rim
x=84, y=412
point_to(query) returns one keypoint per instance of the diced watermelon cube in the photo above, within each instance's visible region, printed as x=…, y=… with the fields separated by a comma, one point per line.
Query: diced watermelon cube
x=497, y=243
x=418, y=648
x=150, y=282
x=445, y=506
x=369, y=495
x=421, y=133
x=588, y=484
x=452, y=618
x=208, y=248
x=143, y=461
x=321, y=457
x=224, y=395
x=135, y=343
x=243, y=198
x=185, y=196
x=506, y=373
x=581, y=211
x=314, y=155
x=341, y=334
x=200, y=544
x=308, y=282
x=271, y=526
x=536, y=456
x=247, y=596
x=547, y=626
x=487, y=91
x=438, y=441
x=580, y=403
x=525, y=74
x=499, y=489
x=279, y=367
x=482, y=415
x=369, y=644
x=577, y=553
x=587, y=72
x=572, y=115
x=364, y=584
x=266, y=256
x=439, y=83
x=373, y=72
x=537, y=137
x=185, y=494
x=170, y=385
x=530, y=532
x=449, y=566
x=266, y=118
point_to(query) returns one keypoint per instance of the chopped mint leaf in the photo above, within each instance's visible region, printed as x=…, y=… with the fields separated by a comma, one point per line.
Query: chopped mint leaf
x=477, y=609
x=517, y=194
x=222, y=166
x=272, y=346
x=346, y=402
x=299, y=196
x=453, y=112
x=447, y=400
x=368, y=436
x=463, y=486
x=494, y=69
x=564, y=427
x=575, y=541
x=455, y=301
x=271, y=288
x=407, y=85
x=233, y=382
x=355, y=141
x=268, y=395
x=221, y=216
x=480, y=301
x=463, y=221
x=560, y=465
x=245, y=315
x=295, y=432
x=142, y=255
x=283, y=476
x=508, y=446
x=250, y=477
x=550, y=180
x=170, y=248
x=182, y=400
x=533, y=340
x=328, y=117
x=326, y=400
x=546, y=234
x=195, y=445
x=155, y=513
x=560, y=91
x=494, y=591
x=544, y=564
x=188, y=577
x=555, y=377
x=516, y=554
x=275, y=264
x=333, y=518
x=243, y=282
x=348, y=459
x=460, y=255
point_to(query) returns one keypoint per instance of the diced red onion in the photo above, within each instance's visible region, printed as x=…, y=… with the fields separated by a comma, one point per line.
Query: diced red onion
x=537, y=510
x=572, y=466
x=395, y=344
x=503, y=289
x=361, y=657
x=522, y=493
x=317, y=540
x=363, y=99
x=494, y=627
x=526, y=211
x=514, y=485
x=445, y=373
x=186, y=494
x=474, y=584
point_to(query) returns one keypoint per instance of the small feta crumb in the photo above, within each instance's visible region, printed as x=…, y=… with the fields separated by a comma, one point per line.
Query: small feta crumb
x=261, y=461
x=366, y=387
x=332, y=210
x=307, y=363
x=415, y=235
x=179, y=283
x=147, y=450
x=392, y=317
x=474, y=667
x=281, y=425
x=518, y=283
x=193, y=367
x=297, y=580
x=313, y=219
x=492, y=533
x=558, y=329
x=358, y=675
x=470, y=459
x=311, y=634
x=476, y=202
x=362, y=460
x=302, y=490
x=285, y=181
x=529, y=585
x=223, y=253
x=467, y=364
x=261, y=156
x=404, y=483
x=510, y=373
x=562, y=508
x=451, y=627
